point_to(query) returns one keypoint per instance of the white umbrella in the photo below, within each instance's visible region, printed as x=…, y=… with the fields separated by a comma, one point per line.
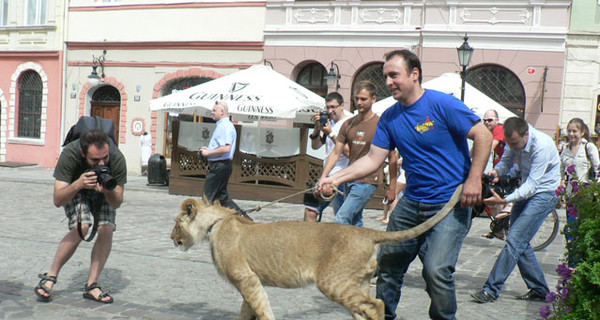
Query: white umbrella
x=450, y=83
x=256, y=93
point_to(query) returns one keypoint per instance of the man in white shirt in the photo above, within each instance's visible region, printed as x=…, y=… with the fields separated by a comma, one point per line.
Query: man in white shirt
x=324, y=133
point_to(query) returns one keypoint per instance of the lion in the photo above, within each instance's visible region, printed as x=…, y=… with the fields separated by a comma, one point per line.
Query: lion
x=340, y=259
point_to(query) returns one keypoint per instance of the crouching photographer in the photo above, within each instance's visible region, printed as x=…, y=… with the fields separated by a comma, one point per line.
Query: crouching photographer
x=89, y=183
x=537, y=158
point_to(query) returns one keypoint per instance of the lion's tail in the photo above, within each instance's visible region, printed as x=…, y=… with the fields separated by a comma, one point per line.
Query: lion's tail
x=423, y=227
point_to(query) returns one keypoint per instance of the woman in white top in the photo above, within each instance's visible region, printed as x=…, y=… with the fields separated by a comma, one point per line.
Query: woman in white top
x=579, y=152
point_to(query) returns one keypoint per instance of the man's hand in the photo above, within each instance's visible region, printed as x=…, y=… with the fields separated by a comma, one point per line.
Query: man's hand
x=495, y=199
x=88, y=180
x=471, y=193
x=203, y=152
x=325, y=186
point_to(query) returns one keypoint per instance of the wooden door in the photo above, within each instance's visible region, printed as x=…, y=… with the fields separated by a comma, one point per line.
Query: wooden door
x=107, y=111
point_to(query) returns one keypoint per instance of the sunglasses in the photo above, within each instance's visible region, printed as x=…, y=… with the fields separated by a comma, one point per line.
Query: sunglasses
x=489, y=119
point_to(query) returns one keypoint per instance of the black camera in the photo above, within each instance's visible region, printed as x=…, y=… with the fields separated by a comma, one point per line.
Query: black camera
x=324, y=117
x=505, y=185
x=104, y=177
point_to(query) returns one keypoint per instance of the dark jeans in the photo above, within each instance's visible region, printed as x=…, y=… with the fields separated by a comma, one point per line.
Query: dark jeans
x=215, y=187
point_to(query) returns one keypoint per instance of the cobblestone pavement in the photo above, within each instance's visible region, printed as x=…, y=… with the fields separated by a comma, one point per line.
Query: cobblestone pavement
x=150, y=279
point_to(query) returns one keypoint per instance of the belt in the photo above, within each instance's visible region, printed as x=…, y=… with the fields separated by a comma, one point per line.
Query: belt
x=216, y=161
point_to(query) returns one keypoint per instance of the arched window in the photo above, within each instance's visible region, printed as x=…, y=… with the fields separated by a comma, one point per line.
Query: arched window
x=500, y=84
x=312, y=77
x=30, y=105
x=374, y=73
x=171, y=87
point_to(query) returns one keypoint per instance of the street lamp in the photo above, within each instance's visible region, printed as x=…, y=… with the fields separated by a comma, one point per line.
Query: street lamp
x=465, y=52
x=333, y=77
x=94, y=79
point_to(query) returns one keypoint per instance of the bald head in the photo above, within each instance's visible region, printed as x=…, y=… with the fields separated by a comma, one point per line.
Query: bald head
x=220, y=110
x=490, y=119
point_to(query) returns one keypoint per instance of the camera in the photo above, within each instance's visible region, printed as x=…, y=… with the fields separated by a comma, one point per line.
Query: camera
x=324, y=117
x=104, y=177
x=505, y=185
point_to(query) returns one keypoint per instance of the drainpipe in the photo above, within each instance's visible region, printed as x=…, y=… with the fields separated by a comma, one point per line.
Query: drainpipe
x=544, y=88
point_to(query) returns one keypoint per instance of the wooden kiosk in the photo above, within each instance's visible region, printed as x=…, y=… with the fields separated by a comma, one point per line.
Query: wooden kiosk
x=253, y=177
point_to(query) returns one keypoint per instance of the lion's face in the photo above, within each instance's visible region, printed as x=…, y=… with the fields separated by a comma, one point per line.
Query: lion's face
x=181, y=235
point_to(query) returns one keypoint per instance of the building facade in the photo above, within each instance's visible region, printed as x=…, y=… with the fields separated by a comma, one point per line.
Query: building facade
x=581, y=91
x=31, y=64
x=149, y=49
x=518, y=58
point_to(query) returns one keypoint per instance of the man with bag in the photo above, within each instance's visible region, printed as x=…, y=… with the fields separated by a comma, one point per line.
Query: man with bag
x=83, y=193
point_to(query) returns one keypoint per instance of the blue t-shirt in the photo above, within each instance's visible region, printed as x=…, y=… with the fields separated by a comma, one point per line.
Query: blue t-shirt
x=431, y=137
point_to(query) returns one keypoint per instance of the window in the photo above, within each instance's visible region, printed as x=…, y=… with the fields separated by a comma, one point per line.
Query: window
x=501, y=85
x=35, y=13
x=173, y=86
x=312, y=77
x=3, y=12
x=30, y=105
x=374, y=73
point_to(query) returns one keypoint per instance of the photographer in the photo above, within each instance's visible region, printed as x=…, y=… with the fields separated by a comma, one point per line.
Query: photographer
x=86, y=170
x=539, y=163
x=327, y=126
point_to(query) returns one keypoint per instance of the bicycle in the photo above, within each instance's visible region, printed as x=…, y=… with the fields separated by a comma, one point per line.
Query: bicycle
x=501, y=226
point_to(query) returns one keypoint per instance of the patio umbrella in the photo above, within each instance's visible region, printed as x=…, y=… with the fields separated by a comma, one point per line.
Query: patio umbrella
x=256, y=93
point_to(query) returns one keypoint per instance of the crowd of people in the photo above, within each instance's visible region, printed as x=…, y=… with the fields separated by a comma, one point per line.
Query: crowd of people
x=424, y=138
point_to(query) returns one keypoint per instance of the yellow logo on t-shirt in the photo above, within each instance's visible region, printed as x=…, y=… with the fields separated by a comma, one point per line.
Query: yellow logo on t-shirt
x=426, y=126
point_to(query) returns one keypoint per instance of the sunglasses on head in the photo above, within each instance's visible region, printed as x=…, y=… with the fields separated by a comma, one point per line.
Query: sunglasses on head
x=489, y=119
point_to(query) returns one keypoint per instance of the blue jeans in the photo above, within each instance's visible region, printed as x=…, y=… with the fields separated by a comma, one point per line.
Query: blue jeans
x=437, y=249
x=525, y=220
x=356, y=196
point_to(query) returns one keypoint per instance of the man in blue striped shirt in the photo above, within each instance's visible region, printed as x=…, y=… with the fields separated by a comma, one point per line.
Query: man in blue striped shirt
x=539, y=164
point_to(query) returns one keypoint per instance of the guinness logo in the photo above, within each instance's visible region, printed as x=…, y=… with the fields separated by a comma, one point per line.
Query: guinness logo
x=205, y=134
x=270, y=137
x=237, y=86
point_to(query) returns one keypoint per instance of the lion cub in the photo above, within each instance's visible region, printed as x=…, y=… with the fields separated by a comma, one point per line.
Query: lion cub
x=340, y=259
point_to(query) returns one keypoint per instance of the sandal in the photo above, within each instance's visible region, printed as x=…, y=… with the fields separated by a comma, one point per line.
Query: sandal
x=42, y=285
x=100, y=298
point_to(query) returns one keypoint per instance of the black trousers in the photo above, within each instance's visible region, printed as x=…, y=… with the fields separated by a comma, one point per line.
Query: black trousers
x=215, y=187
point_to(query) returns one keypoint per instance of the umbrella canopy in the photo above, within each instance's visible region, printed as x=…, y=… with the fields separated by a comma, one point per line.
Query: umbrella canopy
x=256, y=93
x=450, y=83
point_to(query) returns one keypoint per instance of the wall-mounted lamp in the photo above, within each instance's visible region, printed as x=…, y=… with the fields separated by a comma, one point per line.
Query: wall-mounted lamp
x=138, y=88
x=333, y=76
x=93, y=78
x=465, y=52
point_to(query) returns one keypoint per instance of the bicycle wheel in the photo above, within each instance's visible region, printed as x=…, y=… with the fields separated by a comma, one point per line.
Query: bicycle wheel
x=547, y=232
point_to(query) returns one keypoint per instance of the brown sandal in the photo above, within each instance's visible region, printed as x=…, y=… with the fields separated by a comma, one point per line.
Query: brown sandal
x=100, y=298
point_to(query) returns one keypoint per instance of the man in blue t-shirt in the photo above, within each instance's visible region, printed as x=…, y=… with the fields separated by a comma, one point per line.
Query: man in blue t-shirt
x=430, y=131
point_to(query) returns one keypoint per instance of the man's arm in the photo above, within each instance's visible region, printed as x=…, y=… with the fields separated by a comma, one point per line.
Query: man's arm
x=332, y=159
x=393, y=171
x=360, y=168
x=482, y=142
x=64, y=192
x=215, y=152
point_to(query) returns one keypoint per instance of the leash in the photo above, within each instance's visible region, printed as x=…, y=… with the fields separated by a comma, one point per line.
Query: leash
x=244, y=213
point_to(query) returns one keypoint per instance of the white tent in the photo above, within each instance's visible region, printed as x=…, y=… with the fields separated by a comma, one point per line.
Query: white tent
x=256, y=93
x=450, y=83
